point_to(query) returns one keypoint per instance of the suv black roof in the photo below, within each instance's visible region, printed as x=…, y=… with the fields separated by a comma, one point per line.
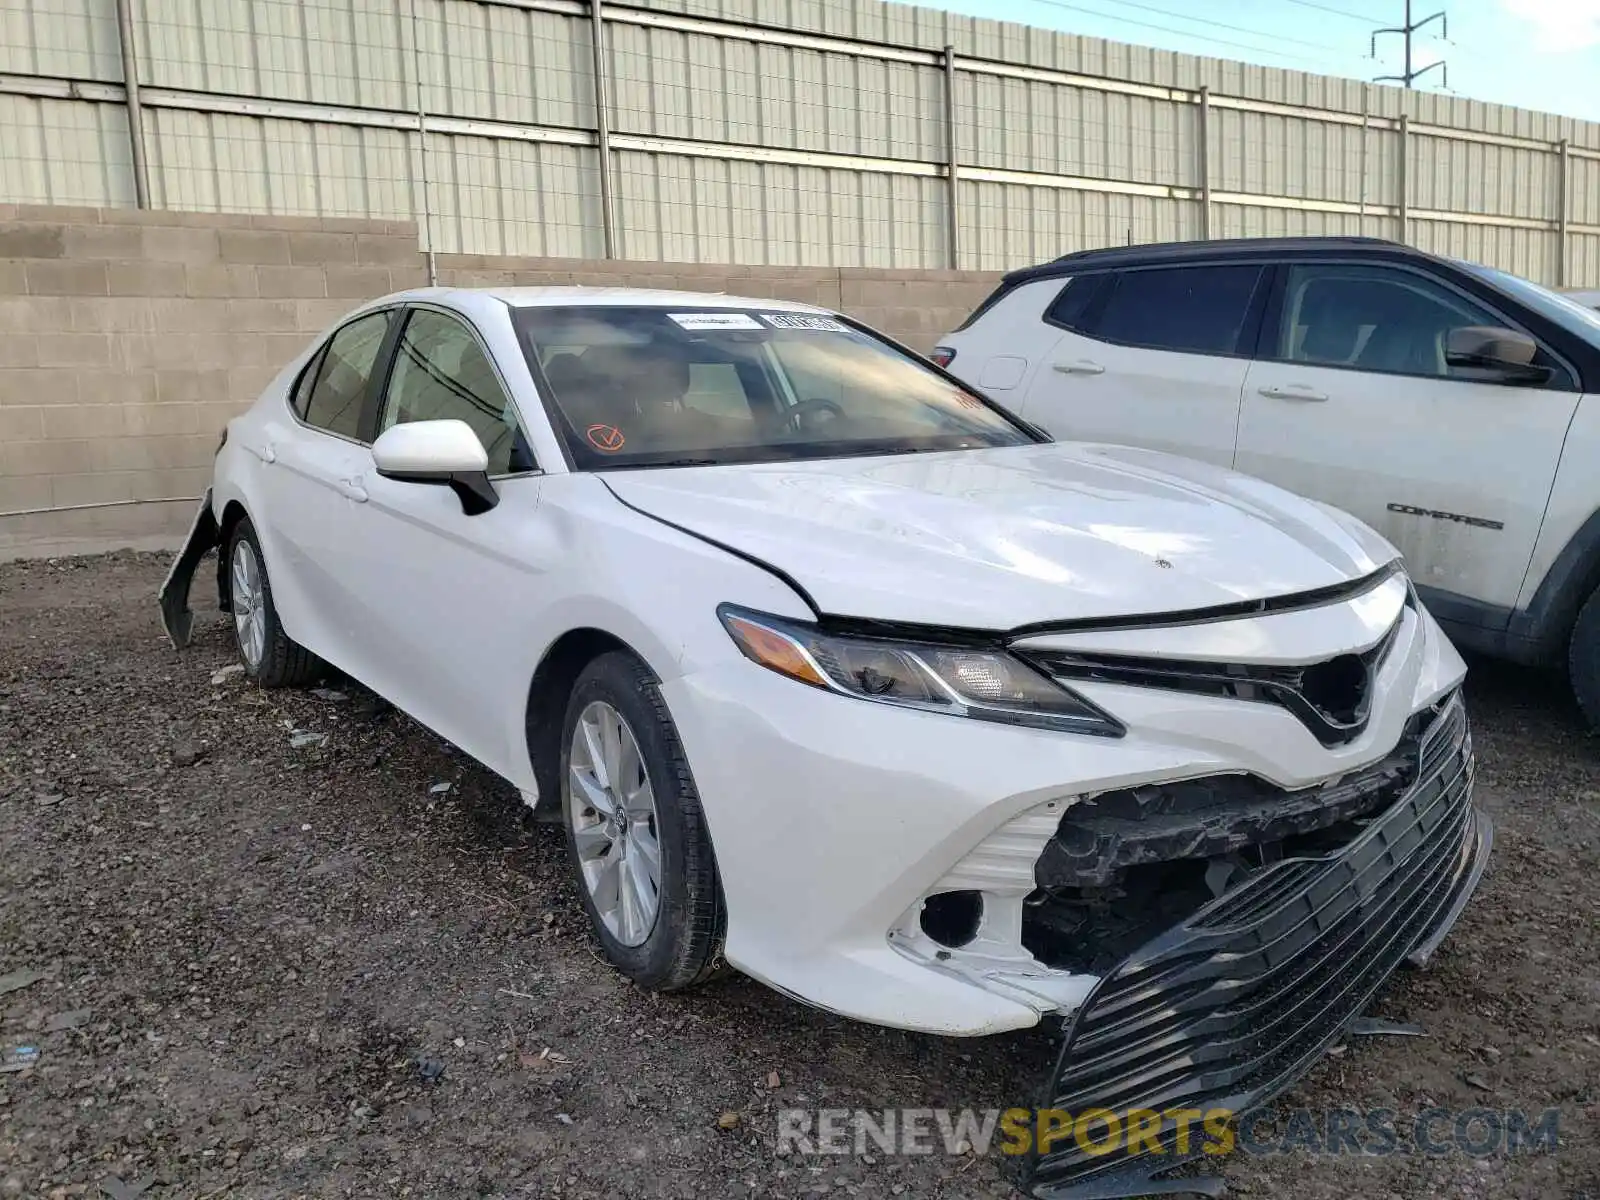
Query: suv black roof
x=1179, y=252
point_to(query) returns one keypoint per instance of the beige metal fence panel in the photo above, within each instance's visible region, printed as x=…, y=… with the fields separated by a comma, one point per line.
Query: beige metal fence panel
x=64, y=39
x=801, y=132
x=63, y=152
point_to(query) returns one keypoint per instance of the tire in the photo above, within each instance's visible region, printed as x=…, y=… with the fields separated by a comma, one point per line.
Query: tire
x=269, y=655
x=1583, y=660
x=681, y=943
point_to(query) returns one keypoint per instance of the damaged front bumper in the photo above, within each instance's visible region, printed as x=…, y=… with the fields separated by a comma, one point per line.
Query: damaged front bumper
x=176, y=617
x=842, y=829
x=1229, y=1007
x=964, y=842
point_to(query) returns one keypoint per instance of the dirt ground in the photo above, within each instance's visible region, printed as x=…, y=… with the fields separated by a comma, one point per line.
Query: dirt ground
x=272, y=966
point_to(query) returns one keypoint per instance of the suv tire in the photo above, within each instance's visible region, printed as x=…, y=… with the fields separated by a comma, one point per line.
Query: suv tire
x=1583, y=660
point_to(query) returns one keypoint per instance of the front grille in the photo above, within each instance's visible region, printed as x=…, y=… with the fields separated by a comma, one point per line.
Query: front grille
x=1228, y=1008
x=1333, y=699
x=1100, y=838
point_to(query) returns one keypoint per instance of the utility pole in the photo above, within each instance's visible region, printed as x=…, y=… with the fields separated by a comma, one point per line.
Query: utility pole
x=1405, y=31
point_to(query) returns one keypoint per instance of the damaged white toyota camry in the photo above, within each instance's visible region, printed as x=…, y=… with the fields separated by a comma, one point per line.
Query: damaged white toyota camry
x=834, y=670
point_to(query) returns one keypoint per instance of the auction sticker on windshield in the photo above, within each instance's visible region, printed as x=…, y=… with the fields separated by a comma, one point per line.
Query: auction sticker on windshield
x=803, y=321
x=715, y=320
x=605, y=437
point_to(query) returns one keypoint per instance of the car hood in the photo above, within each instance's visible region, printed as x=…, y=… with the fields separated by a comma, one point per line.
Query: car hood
x=996, y=539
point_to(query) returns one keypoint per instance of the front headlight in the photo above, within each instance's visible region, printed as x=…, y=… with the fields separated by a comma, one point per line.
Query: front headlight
x=984, y=683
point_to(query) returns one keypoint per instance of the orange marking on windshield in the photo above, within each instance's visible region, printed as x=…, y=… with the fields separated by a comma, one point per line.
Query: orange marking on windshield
x=605, y=437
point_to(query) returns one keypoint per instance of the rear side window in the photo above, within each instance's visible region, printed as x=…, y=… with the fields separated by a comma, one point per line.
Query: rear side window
x=343, y=375
x=1195, y=310
x=302, y=386
x=1068, y=308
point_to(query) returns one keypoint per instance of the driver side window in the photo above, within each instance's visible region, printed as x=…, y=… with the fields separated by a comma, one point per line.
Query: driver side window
x=1373, y=318
x=441, y=372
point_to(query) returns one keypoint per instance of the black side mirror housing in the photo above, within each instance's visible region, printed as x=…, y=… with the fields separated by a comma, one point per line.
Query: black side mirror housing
x=472, y=488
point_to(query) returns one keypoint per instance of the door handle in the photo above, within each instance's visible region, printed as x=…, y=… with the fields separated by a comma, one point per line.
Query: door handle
x=1293, y=391
x=1080, y=366
x=351, y=489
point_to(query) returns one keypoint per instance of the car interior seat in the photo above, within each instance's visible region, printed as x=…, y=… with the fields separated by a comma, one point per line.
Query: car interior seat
x=1409, y=336
x=1332, y=326
x=592, y=387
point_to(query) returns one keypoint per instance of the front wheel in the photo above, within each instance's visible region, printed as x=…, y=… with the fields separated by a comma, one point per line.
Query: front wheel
x=1583, y=660
x=635, y=829
x=270, y=656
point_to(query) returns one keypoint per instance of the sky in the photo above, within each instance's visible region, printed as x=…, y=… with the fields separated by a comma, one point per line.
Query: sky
x=1539, y=54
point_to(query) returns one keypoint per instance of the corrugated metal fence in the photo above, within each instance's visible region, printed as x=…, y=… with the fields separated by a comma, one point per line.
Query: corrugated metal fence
x=785, y=132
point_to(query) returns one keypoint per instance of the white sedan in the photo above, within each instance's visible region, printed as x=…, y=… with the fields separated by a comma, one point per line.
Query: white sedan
x=838, y=672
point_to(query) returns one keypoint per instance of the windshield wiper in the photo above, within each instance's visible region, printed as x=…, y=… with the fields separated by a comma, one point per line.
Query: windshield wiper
x=930, y=449
x=671, y=462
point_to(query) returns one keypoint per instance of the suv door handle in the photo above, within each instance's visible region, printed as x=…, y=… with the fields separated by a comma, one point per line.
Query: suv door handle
x=1293, y=391
x=1080, y=366
x=352, y=489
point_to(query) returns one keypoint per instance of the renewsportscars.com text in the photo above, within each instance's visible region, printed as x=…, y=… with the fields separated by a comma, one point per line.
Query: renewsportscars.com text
x=1378, y=1132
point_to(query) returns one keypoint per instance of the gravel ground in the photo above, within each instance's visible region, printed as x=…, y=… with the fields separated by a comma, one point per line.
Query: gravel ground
x=272, y=970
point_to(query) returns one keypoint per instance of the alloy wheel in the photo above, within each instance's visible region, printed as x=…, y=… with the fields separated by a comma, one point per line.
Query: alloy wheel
x=249, y=621
x=613, y=813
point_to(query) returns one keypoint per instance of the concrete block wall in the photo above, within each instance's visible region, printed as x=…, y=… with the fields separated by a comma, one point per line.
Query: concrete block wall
x=128, y=339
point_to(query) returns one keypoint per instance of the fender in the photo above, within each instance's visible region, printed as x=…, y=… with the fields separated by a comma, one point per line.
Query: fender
x=1548, y=619
x=1536, y=635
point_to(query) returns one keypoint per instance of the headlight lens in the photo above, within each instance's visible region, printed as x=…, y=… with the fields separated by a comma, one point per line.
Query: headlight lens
x=982, y=683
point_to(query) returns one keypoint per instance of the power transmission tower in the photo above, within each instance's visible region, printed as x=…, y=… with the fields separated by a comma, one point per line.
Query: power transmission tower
x=1405, y=31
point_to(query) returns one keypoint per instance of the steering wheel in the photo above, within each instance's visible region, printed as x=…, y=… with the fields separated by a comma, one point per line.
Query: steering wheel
x=796, y=415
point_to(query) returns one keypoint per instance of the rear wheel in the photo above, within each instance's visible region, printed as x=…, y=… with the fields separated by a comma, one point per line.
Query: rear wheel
x=1583, y=660
x=635, y=829
x=270, y=656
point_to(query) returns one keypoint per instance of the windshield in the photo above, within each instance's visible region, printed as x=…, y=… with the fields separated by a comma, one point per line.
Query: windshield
x=1563, y=310
x=639, y=387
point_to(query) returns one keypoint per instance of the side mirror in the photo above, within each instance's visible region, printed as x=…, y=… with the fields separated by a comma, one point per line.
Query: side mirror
x=440, y=452
x=1503, y=354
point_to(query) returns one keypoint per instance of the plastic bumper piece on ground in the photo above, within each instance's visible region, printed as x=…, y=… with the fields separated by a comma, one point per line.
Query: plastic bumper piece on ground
x=176, y=616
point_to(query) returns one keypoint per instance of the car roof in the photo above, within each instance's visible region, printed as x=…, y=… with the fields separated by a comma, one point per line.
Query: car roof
x=1231, y=249
x=567, y=296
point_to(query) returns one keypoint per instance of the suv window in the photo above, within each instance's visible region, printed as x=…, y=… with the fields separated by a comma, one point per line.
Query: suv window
x=1068, y=308
x=1372, y=318
x=1192, y=309
x=336, y=397
x=441, y=372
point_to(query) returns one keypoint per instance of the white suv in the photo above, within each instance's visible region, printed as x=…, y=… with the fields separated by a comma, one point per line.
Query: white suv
x=1450, y=406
